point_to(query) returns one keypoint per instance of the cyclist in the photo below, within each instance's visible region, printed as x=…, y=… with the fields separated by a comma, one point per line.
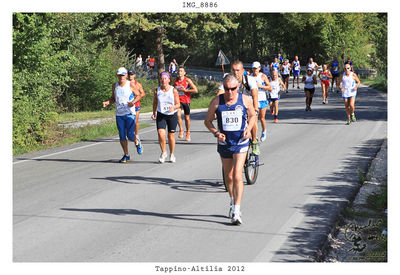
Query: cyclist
x=296, y=70
x=277, y=86
x=349, y=84
x=324, y=76
x=263, y=86
x=185, y=87
x=236, y=117
x=166, y=103
x=309, y=87
x=334, y=66
x=131, y=78
x=248, y=86
x=124, y=95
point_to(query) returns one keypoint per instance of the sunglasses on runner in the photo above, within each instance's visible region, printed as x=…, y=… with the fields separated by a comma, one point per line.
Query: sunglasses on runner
x=347, y=68
x=230, y=89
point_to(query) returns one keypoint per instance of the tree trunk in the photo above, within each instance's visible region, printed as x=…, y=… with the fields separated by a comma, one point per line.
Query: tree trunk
x=160, y=52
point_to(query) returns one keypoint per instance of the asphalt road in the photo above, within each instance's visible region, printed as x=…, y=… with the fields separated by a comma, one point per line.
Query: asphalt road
x=78, y=204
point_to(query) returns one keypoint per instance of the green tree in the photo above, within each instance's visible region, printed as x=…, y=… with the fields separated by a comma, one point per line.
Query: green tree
x=34, y=73
x=174, y=33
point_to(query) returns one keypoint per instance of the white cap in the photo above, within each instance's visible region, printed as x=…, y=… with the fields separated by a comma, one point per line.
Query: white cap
x=122, y=71
x=256, y=64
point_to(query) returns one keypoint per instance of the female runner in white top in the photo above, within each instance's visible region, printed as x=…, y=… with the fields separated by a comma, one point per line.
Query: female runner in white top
x=349, y=84
x=277, y=86
x=166, y=103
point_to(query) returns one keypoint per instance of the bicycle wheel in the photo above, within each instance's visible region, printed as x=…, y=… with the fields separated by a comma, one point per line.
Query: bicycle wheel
x=251, y=168
x=223, y=179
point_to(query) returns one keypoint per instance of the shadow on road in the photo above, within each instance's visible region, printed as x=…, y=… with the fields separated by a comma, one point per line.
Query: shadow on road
x=198, y=185
x=123, y=212
x=336, y=190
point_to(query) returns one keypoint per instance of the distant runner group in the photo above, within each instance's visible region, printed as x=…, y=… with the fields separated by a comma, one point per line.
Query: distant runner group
x=241, y=100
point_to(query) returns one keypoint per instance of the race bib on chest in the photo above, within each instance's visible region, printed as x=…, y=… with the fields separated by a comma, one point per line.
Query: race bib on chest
x=121, y=107
x=165, y=107
x=231, y=120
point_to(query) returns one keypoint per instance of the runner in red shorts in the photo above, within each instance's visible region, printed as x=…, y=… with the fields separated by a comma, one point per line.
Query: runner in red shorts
x=325, y=75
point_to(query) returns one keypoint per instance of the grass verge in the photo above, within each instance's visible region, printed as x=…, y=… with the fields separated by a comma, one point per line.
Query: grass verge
x=378, y=83
x=64, y=136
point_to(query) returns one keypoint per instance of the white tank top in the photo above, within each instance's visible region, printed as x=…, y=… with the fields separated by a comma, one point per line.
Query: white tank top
x=165, y=101
x=308, y=83
x=285, y=69
x=276, y=87
x=262, y=93
x=348, y=82
x=311, y=65
x=123, y=94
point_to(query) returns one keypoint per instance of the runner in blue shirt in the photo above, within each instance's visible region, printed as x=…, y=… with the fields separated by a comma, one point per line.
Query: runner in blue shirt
x=236, y=117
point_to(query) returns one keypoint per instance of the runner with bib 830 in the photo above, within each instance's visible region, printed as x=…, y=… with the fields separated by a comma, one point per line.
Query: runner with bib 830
x=248, y=86
x=236, y=117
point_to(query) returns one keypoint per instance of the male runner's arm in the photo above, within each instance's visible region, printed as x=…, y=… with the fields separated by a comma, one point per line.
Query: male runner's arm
x=316, y=66
x=254, y=93
x=267, y=85
x=136, y=92
x=251, y=116
x=221, y=90
x=210, y=116
x=141, y=90
x=193, y=88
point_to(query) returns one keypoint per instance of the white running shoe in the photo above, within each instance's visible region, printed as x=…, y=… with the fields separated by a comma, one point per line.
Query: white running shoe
x=236, y=219
x=263, y=136
x=172, y=158
x=163, y=157
x=230, y=215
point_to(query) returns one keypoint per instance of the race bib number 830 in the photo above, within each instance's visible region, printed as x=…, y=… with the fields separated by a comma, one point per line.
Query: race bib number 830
x=231, y=120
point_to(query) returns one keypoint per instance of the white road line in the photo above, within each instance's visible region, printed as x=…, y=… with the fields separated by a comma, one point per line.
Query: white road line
x=69, y=150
